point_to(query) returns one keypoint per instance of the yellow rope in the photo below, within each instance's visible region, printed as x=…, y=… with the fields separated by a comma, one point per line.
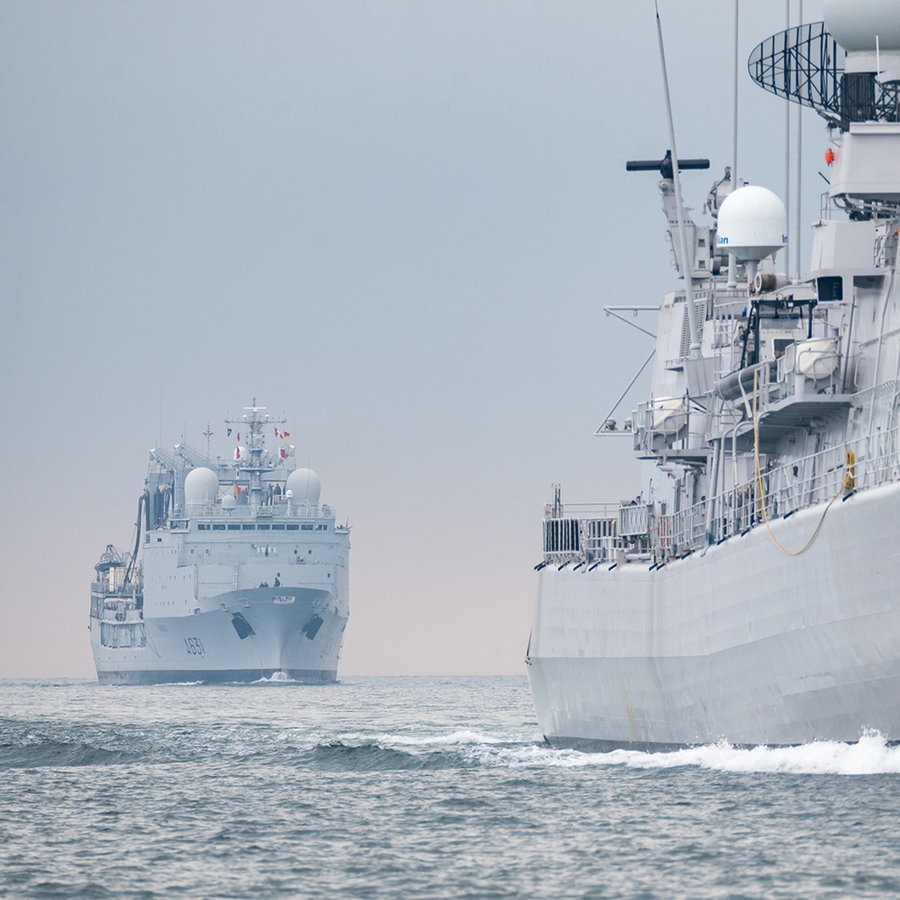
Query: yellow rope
x=848, y=483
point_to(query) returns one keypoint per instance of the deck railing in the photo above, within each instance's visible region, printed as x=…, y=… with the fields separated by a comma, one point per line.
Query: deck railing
x=803, y=482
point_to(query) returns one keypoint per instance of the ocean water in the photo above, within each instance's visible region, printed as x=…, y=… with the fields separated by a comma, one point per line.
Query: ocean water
x=413, y=787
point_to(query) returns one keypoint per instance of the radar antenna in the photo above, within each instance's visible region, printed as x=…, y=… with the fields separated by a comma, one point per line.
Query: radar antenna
x=664, y=166
x=806, y=65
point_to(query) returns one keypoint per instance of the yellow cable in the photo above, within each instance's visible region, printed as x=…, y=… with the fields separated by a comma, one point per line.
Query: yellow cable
x=847, y=484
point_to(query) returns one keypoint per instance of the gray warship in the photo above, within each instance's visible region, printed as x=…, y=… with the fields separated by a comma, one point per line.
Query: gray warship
x=238, y=573
x=754, y=599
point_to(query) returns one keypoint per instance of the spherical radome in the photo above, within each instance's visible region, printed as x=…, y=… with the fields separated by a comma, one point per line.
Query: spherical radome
x=305, y=486
x=752, y=223
x=855, y=23
x=201, y=487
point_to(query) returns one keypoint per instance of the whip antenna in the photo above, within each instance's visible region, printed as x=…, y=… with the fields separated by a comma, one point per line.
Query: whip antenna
x=735, y=184
x=693, y=326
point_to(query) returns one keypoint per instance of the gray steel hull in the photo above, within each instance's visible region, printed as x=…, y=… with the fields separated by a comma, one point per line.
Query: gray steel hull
x=300, y=641
x=742, y=644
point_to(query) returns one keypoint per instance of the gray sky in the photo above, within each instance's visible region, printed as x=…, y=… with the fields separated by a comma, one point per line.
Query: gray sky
x=396, y=223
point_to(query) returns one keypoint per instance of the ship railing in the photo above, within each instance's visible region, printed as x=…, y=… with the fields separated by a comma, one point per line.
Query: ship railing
x=581, y=533
x=829, y=209
x=275, y=509
x=634, y=519
x=298, y=510
x=680, y=532
x=786, y=489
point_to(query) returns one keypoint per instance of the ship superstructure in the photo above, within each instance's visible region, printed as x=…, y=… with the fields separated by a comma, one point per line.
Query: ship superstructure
x=757, y=600
x=238, y=571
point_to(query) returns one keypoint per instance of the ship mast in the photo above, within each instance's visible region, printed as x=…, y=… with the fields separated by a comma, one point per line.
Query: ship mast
x=692, y=313
x=253, y=421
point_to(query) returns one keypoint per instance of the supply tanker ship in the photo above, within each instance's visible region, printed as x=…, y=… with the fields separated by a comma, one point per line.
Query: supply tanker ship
x=238, y=572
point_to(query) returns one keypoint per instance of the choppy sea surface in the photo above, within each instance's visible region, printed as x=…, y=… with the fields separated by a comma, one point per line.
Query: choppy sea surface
x=413, y=787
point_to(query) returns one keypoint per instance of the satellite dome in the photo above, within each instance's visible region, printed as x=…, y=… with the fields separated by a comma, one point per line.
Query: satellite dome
x=752, y=223
x=229, y=501
x=201, y=487
x=305, y=487
x=854, y=24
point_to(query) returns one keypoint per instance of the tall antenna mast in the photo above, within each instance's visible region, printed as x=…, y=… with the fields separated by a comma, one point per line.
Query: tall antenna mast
x=693, y=326
x=732, y=261
x=788, y=250
x=797, y=206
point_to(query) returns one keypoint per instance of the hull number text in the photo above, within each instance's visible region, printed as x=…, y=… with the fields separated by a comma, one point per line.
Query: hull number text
x=194, y=646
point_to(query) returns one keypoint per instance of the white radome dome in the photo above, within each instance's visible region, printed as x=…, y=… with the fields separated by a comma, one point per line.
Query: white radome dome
x=752, y=223
x=305, y=487
x=201, y=487
x=229, y=501
x=854, y=24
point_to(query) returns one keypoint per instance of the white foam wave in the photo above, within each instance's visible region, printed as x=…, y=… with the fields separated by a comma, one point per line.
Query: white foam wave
x=278, y=677
x=455, y=738
x=871, y=755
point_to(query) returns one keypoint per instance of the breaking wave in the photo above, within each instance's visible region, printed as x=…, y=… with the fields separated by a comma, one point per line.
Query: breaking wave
x=418, y=748
x=365, y=752
x=871, y=755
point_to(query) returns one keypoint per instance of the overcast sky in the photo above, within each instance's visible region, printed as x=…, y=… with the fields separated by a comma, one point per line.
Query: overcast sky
x=394, y=223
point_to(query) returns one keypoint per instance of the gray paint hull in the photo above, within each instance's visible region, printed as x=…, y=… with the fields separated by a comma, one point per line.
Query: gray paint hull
x=741, y=643
x=301, y=640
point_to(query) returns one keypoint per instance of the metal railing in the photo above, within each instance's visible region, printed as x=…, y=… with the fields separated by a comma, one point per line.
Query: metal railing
x=801, y=483
x=281, y=509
